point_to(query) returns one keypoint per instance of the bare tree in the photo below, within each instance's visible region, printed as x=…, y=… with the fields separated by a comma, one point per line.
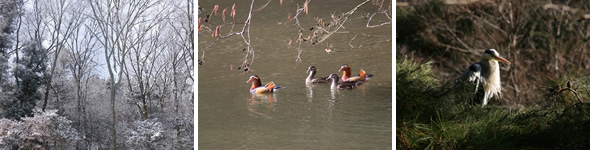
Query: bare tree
x=60, y=23
x=142, y=58
x=81, y=51
x=183, y=28
x=116, y=22
x=143, y=69
x=182, y=52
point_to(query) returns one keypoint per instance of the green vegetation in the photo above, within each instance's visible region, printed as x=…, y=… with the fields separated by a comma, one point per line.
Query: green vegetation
x=540, y=38
x=435, y=115
x=546, y=91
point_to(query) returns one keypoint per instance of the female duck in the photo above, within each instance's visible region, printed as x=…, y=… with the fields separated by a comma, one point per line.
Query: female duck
x=256, y=87
x=311, y=79
x=341, y=85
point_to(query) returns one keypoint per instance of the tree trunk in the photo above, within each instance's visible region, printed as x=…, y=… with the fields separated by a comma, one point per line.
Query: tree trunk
x=176, y=102
x=79, y=107
x=113, y=116
x=86, y=116
x=20, y=20
x=48, y=84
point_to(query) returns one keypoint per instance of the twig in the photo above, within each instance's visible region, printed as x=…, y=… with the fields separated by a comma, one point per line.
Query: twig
x=373, y=26
x=246, y=28
x=263, y=6
x=339, y=22
x=244, y=33
x=457, y=37
x=299, y=54
x=574, y=91
x=376, y=42
x=350, y=42
x=296, y=17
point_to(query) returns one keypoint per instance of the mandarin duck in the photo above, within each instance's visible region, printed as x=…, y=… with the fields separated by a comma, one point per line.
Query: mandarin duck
x=346, y=74
x=256, y=87
x=343, y=84
x=311, y=79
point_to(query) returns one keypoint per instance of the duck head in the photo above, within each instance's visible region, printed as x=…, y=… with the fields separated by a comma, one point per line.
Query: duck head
x=333, y=77
x=311, y=68
x=344, y=68
x=346, y=73
x=255, y=81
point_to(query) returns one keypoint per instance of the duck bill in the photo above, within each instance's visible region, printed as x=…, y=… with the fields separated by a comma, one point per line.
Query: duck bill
x=249, y=80
x=502, y=60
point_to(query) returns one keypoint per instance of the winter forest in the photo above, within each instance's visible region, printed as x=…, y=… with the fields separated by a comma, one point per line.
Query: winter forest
x=96, y=74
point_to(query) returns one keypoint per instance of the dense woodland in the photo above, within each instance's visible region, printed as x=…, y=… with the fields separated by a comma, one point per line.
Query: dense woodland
x=96, y=74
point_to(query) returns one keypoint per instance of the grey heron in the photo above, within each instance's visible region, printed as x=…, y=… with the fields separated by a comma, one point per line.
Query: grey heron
x=487, y=71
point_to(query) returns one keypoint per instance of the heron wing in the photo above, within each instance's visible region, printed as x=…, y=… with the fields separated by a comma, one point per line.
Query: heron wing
x=472, y=74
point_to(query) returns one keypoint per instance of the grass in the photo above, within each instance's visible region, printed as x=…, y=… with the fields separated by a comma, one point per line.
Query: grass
x=434, y=115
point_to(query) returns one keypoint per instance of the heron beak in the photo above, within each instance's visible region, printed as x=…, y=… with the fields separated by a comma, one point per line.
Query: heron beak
x=502, y=60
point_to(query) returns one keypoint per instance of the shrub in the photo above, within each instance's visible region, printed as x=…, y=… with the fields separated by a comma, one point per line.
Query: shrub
x=37, y=132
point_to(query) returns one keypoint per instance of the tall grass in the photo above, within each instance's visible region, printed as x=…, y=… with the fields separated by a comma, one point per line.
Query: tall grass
x=438, y=115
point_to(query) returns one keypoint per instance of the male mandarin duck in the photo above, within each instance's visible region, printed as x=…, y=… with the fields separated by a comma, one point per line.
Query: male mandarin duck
x=257, y=88
x=343, y=84
x=346, y=74
x=311, y=79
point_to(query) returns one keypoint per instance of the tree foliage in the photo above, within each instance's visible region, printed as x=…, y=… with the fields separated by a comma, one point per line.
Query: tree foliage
x=31, y=75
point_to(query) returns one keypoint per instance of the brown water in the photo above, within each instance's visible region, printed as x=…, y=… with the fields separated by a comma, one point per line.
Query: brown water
x=297, y=116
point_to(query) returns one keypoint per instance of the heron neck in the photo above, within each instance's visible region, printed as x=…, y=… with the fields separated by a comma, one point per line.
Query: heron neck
x=491, y=74
x=491, y=68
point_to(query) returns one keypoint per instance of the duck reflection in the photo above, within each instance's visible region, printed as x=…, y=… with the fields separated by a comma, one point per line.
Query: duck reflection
x=333, y=93
x=267, y=100
x=362, y=89
x=309, y=92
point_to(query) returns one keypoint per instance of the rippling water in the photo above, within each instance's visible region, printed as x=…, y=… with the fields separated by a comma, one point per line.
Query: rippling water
x=298, y=116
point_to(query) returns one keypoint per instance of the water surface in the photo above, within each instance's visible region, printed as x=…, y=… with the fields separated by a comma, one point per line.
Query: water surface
x=298, y=116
